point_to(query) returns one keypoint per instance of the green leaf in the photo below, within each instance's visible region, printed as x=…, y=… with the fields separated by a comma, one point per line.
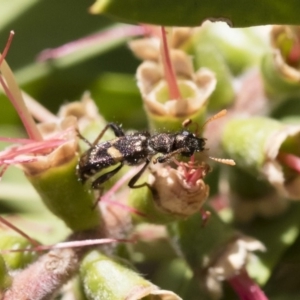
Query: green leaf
x=239, y=13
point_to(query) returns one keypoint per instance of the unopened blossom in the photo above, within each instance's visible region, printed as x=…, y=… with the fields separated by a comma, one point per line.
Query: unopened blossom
x=280, y=66
x=176, y=192
x=99, y=274
x=172, y=193
x=266, y=147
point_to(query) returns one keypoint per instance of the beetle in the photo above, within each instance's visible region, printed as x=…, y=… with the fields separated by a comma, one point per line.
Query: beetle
x=133, y=149
x=136, y=148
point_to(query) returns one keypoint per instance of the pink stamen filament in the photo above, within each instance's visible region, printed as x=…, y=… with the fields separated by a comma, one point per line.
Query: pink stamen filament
x=118, y=184
x=174, y=92
x=195, y=176
x=15, y=96
x=191, y=171
x=106, y=197
x=24, y=115
x=16, y=140
x=19, y=160
x=4, y=164
x=7, y=46
x=22, y=233
x=32, y=148
x=58, y=136
x=72, y=244
x=125, y=207
x=290, y=160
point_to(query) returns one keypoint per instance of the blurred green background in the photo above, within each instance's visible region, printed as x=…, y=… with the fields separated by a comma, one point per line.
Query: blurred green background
x=107, y=70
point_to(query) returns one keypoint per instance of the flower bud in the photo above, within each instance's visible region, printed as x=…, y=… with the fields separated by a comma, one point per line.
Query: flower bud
x=268, y=148
x=171, y=194
x=279, y=67
x=207, y=56
x=195, y=88
x=105, y=278
x=53, y=175
x=5, y=278
x=16, y=260
x=240, y=48
x=260, y=200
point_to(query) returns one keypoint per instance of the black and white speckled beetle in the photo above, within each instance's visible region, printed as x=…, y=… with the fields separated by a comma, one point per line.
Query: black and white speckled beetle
x=133, y=149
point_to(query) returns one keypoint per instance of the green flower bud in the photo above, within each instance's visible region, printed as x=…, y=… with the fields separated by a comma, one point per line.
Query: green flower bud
x=259, y=200
x=66, y=197
x=5, y=279
x=280, y=67
x=170, y=195
x=268, y=148
x=195, y=88
x=50, y=165
x=240, y=48
x=16, y=260
x=177, y=276
x=208, y=56
x=104, y=278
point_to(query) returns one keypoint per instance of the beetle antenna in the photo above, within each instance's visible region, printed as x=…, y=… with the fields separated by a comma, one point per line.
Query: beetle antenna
x=224, y=161
x=219, y=115
x=188, y=122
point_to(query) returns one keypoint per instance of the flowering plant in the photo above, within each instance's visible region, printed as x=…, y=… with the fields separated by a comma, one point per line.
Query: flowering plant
x=218, y=222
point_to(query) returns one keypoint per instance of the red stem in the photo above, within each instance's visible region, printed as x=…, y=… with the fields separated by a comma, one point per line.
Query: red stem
x=246, y=288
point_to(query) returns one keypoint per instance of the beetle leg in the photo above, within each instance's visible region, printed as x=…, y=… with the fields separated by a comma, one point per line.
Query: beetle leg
x=98, y=194
x=136, y=177
x=166, y=157
x=114, y=127
x=96, y=184
x=83, y=138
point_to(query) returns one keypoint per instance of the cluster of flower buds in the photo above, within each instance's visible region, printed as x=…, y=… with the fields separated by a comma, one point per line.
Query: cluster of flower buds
x=185, y=76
